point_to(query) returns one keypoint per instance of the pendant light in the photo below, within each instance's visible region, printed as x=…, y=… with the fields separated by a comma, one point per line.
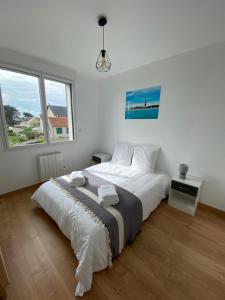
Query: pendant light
x=103, y=63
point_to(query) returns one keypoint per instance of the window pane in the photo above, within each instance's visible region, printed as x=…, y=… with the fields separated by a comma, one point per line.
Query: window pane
x=59, y=111
x=59, y=130
x=22, y=108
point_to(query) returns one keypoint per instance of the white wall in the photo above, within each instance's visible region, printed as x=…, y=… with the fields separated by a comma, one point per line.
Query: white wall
x=191, y=124
x=18, y=168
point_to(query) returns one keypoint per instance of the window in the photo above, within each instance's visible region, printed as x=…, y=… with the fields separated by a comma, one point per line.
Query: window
x=35, y=109
x=59, y=114
x=59, y=130
x=22, y=108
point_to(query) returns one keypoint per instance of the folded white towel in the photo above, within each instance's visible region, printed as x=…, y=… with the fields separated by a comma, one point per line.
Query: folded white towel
x=107, y=195
x=77, y=178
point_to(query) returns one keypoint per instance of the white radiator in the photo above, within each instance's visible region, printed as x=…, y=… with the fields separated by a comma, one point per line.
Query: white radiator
x=50, y=165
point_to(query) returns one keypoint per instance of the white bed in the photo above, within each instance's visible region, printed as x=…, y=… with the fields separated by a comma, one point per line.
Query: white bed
x=88, y=239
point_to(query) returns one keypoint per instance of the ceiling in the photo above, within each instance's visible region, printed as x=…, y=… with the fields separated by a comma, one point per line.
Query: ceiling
x=138, y=32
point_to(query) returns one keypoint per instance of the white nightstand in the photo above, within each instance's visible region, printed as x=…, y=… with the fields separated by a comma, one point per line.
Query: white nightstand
x=184, y=193
x=98, y=158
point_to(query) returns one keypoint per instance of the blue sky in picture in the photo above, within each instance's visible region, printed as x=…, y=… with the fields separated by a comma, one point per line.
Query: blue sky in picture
x=152, y=96
x=22, y=91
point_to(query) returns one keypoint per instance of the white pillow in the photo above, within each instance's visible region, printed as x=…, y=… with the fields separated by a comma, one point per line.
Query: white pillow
x=145, y=158
x=122, y=154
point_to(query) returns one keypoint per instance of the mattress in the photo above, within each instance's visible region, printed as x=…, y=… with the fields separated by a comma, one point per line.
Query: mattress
x=88, y=239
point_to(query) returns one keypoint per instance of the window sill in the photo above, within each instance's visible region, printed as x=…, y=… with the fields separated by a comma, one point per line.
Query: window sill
x=6, y=148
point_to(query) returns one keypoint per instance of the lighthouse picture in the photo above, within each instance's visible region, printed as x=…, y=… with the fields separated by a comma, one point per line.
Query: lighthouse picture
x=143, y=103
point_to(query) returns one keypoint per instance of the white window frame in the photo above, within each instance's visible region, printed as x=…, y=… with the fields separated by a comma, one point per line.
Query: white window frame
x=41, y=77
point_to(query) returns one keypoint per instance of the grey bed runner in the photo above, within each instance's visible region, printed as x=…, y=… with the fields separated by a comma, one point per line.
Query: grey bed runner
x=129, y=206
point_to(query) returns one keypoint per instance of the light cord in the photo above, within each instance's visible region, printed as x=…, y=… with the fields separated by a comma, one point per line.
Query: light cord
x=103, y=37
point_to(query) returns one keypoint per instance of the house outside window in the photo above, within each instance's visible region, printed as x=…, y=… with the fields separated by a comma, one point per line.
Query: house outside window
x=58, y=123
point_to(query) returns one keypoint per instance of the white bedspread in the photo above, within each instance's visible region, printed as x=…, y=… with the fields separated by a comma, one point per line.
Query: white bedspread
x=88, y=239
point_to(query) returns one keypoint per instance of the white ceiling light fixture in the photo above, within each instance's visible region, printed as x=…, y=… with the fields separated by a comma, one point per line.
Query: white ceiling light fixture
x=103, y=63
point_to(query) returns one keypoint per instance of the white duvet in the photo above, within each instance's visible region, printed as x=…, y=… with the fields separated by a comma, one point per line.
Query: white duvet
x=88, y=238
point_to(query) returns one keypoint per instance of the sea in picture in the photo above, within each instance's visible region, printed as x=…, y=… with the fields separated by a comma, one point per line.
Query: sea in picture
x=143, y=103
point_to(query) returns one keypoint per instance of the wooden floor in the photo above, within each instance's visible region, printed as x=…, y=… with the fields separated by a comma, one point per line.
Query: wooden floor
x=176, y=256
